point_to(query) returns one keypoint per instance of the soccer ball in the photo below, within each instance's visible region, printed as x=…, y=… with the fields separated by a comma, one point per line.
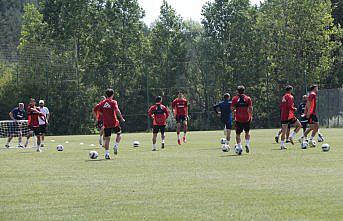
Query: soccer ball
x=238, y=150
x=223, y=141
x=225, y=148
x=60, y=148
x=313, y=143
x=135, y=144
x=304, y=145
x=325, y=147
x=93, y=154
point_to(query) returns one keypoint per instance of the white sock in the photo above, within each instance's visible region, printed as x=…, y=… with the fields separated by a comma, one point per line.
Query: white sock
x=163, y=141
x=240, y=145
x=116, y=146
x=154, y=146
x=178, y=136
x=293, y=134
x=107, y=152
x=247, y=142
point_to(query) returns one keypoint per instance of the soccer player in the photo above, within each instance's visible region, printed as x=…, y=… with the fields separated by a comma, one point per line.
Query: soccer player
x=17, y=114
x=33, y=115
x=180, y=109
x=277, y=137
x=43, y=121
x=225, y=115
x=109, y=109
x=100, y=125
x=159, y=115
x=288, y=117
x=242, y=109
x=302, y=116
x=311, y=115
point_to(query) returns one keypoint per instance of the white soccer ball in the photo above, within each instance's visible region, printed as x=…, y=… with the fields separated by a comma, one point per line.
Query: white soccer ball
x=313, y=143
x=225, y=148
x=59, y=148
x=223, y=141
x=135, y=144
x=304, y=145
x=93, y=154
x=238, y=150
x=325, y=147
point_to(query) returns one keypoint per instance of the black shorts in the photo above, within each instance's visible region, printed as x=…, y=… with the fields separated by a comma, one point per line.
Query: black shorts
x=313, y=119
x=180, y=118
x=99, y=124
x=42, y=129
x=157, y=128
x=227, y=123
x=242, y=126
x=109, y=131
x=304, y=122
x=289, y=122
x=35, y=130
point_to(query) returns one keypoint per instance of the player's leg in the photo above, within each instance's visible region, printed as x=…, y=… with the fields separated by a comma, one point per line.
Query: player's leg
x=178, y=129
x=163, y=136
x=239, y=130
x=29, y=134
x=320, y=136
x=246, y=128
x=42, y=131
x=185, y=127
x=277, y=137
x=107, y=133
x=284, y=128
x=101, y=137
x=287, y=133
x=315, y=127
x=10, y=137
x=12, y=130
x=38, y=137
x=297, y=126
x=228, y=127
x=117, y=130
x=304, y=128
x=154, y=136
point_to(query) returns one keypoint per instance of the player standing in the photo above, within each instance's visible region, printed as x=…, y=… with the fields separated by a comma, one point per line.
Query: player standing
x=100, y=124
x=43, y=120
x=17, y=114
x=302, y=117
x=109, y=109
x=311, y=115
x=242, y=109
x=33, y=115
x=288, y=117
x=180, y=109
x=225, y=115
x=159, y=114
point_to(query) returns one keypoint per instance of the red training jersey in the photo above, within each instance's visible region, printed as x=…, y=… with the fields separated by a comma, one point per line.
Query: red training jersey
x=242, y=103
x=180, y=107
x=287, y=107
x=33, y=115
x=312, y=97
x=99, y=116
x=159, y=113
x=108, y=108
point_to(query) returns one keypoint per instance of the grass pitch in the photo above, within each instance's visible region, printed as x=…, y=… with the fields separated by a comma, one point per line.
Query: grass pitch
x=195, y=181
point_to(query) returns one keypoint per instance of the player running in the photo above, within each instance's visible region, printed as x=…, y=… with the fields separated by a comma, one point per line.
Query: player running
x=109, y=109
x=311, y=115
x=225, y=115
x=17, y=114
x=43, y=121
x=288, y=117
x=180, y=109
x=159, y=114
x=33, y=115
x=242, y=109
x=100, y=125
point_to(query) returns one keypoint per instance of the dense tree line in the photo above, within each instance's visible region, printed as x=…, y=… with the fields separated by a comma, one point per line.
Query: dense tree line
x=69, y=51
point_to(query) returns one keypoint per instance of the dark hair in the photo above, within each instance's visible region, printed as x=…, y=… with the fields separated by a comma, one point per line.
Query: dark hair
x=158, y=99
x=109, y=92
x=241, y=89
x=226, y=96
x=289, y=88
x=313, y=86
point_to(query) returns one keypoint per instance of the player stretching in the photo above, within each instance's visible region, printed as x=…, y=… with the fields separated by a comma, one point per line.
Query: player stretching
x=225, y=115
x=18, y=113
x=242, y=109
x=43, y=121
x=100, y=125
x=33, y=115
x=180, y=109
x=288, y=117
x=109, y=109
x=311, y=115
x=159, y=114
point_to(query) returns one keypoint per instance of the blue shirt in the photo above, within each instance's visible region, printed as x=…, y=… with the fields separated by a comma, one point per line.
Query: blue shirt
x=18, y=114
x=225, y=109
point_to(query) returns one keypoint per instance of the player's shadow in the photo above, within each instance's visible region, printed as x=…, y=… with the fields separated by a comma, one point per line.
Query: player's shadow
x=97, y=160
x=232, y=155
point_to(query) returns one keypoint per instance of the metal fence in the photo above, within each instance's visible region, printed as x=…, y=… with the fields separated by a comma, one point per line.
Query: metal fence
x=330, y=107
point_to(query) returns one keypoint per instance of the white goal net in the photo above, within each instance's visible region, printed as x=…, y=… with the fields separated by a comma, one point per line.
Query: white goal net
x=10, y=128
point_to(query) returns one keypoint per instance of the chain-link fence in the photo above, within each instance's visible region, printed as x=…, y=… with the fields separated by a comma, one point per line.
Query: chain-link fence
x=330, y=107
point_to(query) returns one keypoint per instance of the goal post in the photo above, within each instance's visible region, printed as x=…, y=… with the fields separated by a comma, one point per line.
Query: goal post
x=16, y=128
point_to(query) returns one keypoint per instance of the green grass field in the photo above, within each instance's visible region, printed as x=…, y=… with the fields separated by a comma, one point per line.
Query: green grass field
x=195, y=181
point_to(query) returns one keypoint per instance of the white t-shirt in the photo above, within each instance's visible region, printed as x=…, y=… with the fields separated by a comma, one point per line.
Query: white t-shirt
x=44, y=111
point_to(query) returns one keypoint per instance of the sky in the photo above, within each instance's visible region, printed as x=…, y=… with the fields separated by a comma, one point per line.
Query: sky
x=188, y=9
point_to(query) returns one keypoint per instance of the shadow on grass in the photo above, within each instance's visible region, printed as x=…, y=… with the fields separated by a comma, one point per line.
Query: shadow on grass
x=232, y=155
x=98, y=160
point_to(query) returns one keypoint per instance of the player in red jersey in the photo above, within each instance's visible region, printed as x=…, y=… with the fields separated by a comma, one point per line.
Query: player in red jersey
x=311, y=115
x=33, y=115
x=109, y=110
x=159, y=115
x=288, y=117
x=180, y=109
x=242, y=108
x=100, y=125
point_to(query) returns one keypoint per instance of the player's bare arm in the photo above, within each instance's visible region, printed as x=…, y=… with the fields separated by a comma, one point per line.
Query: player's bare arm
x=120, y=116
